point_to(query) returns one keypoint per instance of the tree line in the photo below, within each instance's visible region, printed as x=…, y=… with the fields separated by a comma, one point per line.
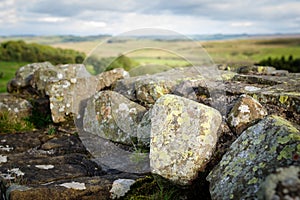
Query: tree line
x=19, y=51
x=108, y=63
x=291, y=64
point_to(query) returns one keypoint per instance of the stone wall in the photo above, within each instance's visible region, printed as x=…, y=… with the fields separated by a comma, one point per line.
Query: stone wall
x=234, y=129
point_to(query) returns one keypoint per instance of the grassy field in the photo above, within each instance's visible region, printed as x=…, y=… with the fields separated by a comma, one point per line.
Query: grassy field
x=246, y=51
x=7, y=72
x=171, y=53
x=252, y=51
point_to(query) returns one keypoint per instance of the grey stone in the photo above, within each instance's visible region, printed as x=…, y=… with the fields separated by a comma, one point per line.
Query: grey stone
x=16, y=106
x=112, y=116
x=23, y=81
x=183, y=137
x=147, y=89
x=67, y=94
x=144, y=130
x=120, y=187
x=260, y=150
x=284, y=183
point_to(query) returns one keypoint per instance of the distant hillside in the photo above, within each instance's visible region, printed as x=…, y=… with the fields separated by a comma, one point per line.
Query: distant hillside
x=53, y=39
x=19, y=51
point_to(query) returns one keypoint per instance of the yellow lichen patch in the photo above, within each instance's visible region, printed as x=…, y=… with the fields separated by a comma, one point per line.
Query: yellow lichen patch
x=292, y=93
x=160, y=90
x=298, y=149
x=255, y=96
x=228, y=76
x=283, y=140
x=262, y=165
x=283, y=122
x=286, y=153
x=261, y=69
x=283, y=99
x=253, y=181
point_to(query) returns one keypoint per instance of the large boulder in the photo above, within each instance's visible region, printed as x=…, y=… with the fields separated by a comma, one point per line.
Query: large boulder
x=112, y=116
x=261, y=149
x=183, y=137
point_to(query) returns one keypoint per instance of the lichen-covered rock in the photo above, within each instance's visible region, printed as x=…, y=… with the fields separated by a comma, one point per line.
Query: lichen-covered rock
x=286, y=96
x=23, y=82
x=112, y=116
x=126, y=87
x=144, y=130
x=283, y=184
x=32, y=79
x=183, y=137
x=245, y=112
x=256, y=70
x=187, y=89
x=67, y=93
x=78, y=188
x=147, y=89
x=17, y=106
x=261, y=149
x=120, y=187
x=44, y=75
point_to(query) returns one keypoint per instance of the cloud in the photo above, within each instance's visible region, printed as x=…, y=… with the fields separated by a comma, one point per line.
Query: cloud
x=186, y=16
x=241, y=24
x=8, y=14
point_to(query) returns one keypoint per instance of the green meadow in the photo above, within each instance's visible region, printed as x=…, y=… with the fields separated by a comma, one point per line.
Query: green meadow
x=7, y=72
x=222, y=52
x=162, y=55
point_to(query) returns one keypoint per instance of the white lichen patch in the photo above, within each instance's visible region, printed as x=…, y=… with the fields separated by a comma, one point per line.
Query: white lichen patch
x=234, y=120
x=16, y=171
x=251, y=88
x=61, y=109
x=6, y=148
x=60, y=76
x=244, y=109
x=74, y=185
x=244, y=112
x=123, y=107
x=44, y=166
x=73, y=80
x=66, y=84
x=3, y=159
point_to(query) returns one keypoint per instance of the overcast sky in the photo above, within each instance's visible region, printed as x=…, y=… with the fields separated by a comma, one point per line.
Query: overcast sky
x=92, y=17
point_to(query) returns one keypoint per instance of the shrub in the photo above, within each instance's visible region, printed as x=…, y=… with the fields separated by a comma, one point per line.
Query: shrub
x=290, y=64
x=20, y=51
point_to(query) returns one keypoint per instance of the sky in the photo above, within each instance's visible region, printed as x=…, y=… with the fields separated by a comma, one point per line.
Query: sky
x=92, y=17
